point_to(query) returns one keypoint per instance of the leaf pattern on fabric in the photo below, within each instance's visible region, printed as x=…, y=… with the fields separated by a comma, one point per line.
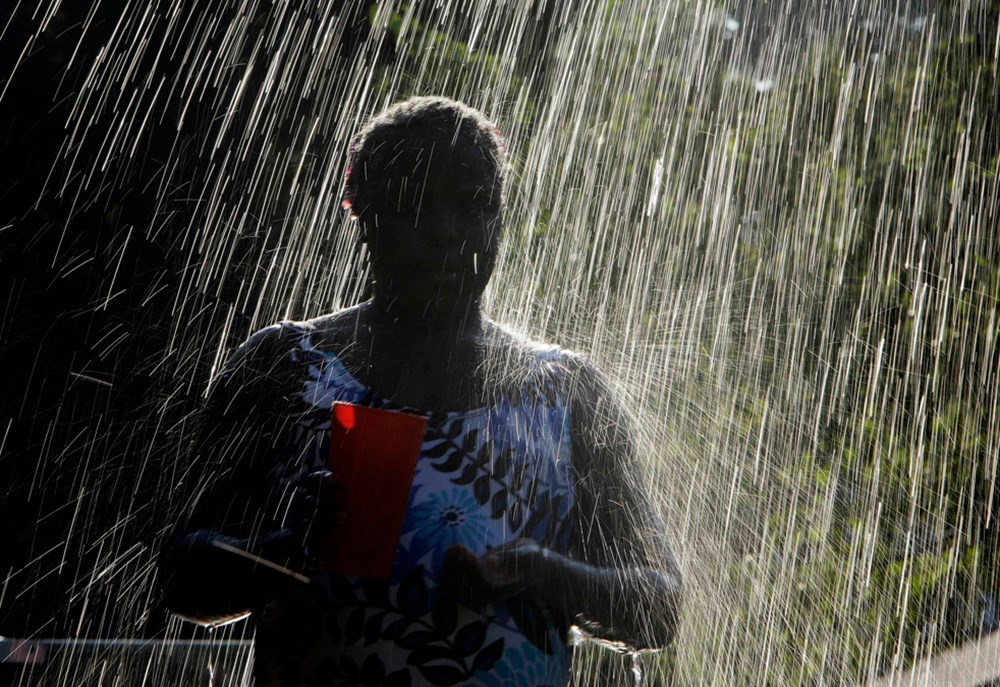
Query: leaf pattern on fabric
x=484, y=477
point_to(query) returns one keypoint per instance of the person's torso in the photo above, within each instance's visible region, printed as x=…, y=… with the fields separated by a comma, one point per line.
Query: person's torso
x=483, y=477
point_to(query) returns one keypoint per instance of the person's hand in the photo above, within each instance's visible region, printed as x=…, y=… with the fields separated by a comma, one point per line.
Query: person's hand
x=501, y=572
x=318, y=516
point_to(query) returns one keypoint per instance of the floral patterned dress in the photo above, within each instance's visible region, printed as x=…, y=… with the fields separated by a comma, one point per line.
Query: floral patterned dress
x=484, y=477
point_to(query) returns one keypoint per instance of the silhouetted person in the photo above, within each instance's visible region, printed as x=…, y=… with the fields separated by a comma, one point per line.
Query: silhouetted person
x=523, y=517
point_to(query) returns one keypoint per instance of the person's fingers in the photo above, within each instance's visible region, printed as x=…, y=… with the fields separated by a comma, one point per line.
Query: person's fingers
x=501, y=575
x=316, y=500
x=501, y=587
x=460, y=562
x=512, y=560
x=325, y=517
x=463, y=577
x=479, y=579
x=315, y=482
x=512, y=545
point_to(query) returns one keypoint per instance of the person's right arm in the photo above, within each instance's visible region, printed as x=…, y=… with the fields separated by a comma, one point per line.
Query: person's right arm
x=230, y=504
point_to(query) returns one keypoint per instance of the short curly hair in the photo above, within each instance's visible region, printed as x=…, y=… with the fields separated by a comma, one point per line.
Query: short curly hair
x=410, y=124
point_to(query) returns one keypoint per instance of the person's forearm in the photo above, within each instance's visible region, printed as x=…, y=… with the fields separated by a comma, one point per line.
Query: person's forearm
x=636, y=606
x=208, y=584
x=198, y=583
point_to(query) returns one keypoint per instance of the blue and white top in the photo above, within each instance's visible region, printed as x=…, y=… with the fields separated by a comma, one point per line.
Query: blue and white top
x=484, y=477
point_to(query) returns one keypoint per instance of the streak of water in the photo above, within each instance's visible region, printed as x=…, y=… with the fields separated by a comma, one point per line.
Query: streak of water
x=776, y=226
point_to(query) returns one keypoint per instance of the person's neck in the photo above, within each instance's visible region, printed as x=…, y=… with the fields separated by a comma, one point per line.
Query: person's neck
x=463, y=320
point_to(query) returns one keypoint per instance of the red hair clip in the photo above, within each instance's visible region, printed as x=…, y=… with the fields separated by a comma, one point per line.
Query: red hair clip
x=501, y=140
x=346, y=202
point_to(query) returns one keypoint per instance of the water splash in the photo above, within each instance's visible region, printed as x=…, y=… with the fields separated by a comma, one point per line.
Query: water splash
x=798, y=296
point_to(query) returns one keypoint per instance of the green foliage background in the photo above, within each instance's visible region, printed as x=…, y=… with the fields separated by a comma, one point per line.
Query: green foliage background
x=815, y=312
x=772, y=223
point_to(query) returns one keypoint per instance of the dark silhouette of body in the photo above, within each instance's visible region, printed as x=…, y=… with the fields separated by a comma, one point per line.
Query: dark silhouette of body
x=426, y=188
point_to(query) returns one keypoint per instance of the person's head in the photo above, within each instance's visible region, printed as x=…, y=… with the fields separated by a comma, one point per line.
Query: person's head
x=425, y=182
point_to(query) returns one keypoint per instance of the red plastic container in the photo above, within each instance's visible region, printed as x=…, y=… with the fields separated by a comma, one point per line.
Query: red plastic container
x=373, y=455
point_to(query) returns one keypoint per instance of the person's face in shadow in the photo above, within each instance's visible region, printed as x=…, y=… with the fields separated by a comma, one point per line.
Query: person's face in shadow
x=432, y=221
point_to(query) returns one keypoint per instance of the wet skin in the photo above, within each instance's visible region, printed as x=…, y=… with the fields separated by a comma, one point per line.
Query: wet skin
x=433, y=228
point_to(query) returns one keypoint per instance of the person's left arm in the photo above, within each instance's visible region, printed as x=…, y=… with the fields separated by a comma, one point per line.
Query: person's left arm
x=621, y=582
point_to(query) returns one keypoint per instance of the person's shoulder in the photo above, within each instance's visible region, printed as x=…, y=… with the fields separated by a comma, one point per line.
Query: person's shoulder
x=578, y=370
x=266, y=352
x=285, y=334
x=506, y=337
x=513, y=345
x=339, y=319
x=265, y=343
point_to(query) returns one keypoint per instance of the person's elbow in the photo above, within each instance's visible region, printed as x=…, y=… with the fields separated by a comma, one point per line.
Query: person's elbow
x=195, y=587
x=657, y=623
